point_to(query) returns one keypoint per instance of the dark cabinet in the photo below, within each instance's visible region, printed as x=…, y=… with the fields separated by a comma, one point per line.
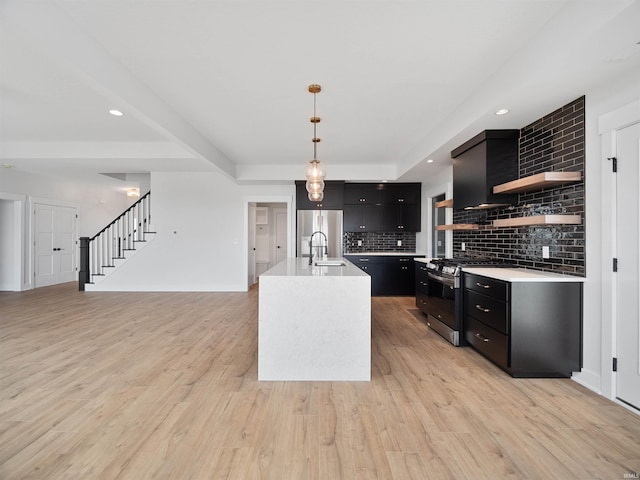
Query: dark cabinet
x=362, y=193
x=333, y=196
x=400, y=276
x=374, y=266
x=529, y=329
x=362, y=218
x=403, y=193
x=401, y=218
x=390, y=274
x=382, y=207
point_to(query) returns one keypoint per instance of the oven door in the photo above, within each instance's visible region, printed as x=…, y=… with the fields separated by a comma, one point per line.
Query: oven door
x=440, y=299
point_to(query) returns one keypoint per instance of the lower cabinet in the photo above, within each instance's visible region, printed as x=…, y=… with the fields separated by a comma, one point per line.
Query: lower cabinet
x=390, y=275
x=529, y=329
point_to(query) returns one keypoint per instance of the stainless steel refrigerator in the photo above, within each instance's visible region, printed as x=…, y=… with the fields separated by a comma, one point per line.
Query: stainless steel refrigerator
x=328, y=222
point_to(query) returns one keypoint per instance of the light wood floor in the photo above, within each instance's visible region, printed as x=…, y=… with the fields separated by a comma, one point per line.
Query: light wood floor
x=164, y=385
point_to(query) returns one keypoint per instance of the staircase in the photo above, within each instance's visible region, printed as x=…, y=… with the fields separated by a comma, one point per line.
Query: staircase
x=103, y=253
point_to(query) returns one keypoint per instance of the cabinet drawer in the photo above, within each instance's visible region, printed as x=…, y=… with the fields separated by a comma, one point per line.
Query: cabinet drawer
x=490, y=311
x=489, y=342
x=487, y=286
x=360, y=260
x=421, y=283
x=422, y=300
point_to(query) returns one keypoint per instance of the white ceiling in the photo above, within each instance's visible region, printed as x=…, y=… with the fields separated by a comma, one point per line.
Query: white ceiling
x=209, y=85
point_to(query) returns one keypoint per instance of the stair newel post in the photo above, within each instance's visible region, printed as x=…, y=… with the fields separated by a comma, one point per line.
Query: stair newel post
x=92, y=254
x=84, y=275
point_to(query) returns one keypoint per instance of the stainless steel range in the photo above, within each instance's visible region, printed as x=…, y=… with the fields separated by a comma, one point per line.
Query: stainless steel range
x=439, y=296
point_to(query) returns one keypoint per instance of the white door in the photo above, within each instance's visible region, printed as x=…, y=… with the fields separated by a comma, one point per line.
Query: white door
x=251, y=242
x=628, y=290
x=55, y=245
x=280, y=215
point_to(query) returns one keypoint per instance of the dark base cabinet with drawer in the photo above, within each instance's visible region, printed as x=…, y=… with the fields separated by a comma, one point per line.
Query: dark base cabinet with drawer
x=529, y=329
x=390, y=275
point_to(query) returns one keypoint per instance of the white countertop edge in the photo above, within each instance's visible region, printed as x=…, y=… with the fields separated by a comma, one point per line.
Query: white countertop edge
x=423, y=260
x=300, y=268
x=522, y=275
x=385, y=254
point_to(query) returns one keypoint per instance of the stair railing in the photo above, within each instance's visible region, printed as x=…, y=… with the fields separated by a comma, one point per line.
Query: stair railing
x=110, y=243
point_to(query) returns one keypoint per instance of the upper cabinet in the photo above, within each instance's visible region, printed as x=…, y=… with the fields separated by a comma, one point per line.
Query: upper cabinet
x=400, y=193
x=333, y=196
x=488, y=159
x=363, y=193
x=386, y=207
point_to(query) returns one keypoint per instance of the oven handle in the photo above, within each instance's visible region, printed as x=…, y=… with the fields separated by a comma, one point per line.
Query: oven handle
x=446, y=281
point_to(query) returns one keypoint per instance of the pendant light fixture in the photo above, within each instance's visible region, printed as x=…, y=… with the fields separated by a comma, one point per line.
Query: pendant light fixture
x=315, y=173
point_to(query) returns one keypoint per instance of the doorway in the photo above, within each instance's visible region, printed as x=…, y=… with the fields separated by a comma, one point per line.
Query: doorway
x=268, y=235
x=439, y=239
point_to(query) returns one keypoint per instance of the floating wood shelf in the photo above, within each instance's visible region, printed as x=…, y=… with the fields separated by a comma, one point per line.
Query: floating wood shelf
x=537, y=182
x=448, y=203
x=458, y=226
x=538, y=220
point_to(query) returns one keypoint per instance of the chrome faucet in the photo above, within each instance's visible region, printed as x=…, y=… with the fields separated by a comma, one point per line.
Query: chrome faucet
x=326, y=241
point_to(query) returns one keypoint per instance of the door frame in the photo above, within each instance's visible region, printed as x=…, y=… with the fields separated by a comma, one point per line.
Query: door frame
x=31, y=205
x=608, y=124
x=288, y=200
x=17, y=234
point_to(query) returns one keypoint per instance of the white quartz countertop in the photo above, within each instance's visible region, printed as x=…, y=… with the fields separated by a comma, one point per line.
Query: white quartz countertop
x=522, y=275
x=299, y=267
x=386, y=254
x=423, y=260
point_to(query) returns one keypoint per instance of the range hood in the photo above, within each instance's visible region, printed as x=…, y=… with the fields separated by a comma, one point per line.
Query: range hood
x=486, y=160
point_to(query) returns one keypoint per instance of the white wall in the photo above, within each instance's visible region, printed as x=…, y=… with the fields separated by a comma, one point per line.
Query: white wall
x=201, y=240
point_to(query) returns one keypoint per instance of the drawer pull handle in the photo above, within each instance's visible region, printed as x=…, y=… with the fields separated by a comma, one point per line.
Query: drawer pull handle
x=482, y=285
x=482, y=337
x=481, y=308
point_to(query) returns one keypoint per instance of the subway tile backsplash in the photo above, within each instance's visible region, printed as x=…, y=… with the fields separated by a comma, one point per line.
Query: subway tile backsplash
x=553, y=143
x=379, y=242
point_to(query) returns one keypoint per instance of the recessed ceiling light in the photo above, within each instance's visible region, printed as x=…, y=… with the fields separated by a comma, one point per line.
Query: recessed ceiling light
x=430, y=160
x=116, y=113
x=502, y=111
x=8, y=165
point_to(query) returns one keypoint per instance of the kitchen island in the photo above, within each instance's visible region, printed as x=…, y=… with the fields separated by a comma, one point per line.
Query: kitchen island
x=314, y=322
